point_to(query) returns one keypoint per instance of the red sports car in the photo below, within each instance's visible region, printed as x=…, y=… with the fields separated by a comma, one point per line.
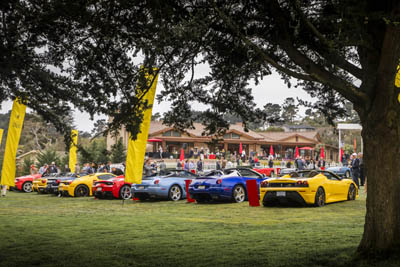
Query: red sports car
x=266, y=171
x=24, y=183
x=115, y=188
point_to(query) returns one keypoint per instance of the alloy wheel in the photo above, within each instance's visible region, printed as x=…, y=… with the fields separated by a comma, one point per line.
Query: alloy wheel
x=239, y=194
x=27, y=187
x=126, y=192
x=175, y=193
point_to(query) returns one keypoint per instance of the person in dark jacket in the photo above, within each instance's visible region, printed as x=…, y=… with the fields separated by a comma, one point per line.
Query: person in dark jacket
x=270, y=163
x=361, y=167
x=355, y=168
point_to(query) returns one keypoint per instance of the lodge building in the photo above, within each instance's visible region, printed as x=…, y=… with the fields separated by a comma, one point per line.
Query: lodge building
x=283, y=143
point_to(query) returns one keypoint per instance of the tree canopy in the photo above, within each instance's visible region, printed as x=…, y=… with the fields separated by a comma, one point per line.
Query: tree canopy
x=90, y=53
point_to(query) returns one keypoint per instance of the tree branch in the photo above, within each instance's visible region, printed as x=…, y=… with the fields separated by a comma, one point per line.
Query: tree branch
x=329, y=53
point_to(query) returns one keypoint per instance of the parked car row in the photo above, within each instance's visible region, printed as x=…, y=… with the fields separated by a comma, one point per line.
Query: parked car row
x=309, y=187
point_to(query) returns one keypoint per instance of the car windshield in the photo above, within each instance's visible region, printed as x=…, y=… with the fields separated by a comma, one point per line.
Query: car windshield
x=303, y=174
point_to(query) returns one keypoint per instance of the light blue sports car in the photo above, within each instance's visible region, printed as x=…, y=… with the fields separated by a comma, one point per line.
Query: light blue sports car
x=341, y=171
x=171, y=186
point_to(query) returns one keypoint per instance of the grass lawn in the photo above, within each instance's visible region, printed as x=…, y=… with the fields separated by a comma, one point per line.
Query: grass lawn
x=50, y=231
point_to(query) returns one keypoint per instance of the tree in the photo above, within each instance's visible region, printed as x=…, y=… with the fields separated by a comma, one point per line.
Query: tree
x=156, y=117
x=47, y=157
x=273, y=112
x=26, y=167
x=335, y=50
x=289, y=110
x=99, y=127
x=118, y=154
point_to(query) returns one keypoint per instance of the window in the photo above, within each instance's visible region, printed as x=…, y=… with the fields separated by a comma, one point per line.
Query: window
x=167, y=133
x=227, y=136
x=176, y=134
x=105, y=176
x=235, y=136
x=172, y=133
x=249, y=174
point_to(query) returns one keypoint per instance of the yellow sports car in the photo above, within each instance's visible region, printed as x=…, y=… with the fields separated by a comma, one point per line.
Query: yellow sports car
x=81, y=187
x=38, y=184
x=309, y=187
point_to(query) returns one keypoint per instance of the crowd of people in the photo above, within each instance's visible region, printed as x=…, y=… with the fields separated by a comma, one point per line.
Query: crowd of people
x=87, y=168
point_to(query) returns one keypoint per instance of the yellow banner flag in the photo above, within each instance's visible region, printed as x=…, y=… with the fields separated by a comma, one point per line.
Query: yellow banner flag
x=14, y=133
x=137, y=148
x=72, y=150
x=1, y=135
x=397, y=81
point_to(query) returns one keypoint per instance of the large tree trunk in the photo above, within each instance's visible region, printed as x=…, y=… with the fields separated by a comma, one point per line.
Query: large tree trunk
x=381, y=135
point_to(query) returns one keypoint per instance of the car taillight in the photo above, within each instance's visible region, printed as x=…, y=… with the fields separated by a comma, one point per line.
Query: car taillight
x=156, y=181
x=302, y=183
x=219, y=181
x=43, y=181
x=264, y=183
x=58, y=181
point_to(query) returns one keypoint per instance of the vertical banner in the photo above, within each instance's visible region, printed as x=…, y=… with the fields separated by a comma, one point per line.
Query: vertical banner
x=1, y=135
x=397, y=81
x=14, y=133
x=137, y=148
x=72, y=150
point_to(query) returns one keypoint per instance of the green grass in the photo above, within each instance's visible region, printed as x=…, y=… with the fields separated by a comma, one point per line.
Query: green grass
x=49, y=231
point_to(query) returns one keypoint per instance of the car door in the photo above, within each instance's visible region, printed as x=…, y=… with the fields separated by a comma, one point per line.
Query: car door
x=334, y=187
x=251, y=175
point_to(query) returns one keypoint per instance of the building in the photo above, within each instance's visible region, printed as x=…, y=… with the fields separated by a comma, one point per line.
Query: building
x=298, y=128
x=283, y=143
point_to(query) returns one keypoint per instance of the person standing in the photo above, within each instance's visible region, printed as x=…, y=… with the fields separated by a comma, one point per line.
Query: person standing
x=270, y=162
x=33, y=169
x=53, y=168
x=199, y=166
x=178, y=164
x=163, y=167
x=362, y=174
x=43, y=169
x=300, y=164
x=355, y=168
x=186, y=165
x=161, y=151
x=66, y=168
x=77, y=168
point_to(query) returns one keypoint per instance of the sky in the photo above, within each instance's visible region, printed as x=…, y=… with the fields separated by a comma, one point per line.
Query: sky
x=270, y=90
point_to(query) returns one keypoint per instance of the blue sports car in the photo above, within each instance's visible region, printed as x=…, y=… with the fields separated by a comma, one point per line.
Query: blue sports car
x=341, y=171
x=228, y=184
x=171, y=185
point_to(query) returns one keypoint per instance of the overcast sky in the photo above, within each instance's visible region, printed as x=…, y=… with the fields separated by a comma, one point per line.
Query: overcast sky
x=271, y=89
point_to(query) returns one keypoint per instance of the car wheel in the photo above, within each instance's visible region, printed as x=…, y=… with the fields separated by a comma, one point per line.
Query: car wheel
x=347, y=174
x=352, y=192
x=239, y=194
x=81, y=191
x=125, y=192
x=320, y=197
x=27, y=187
x=175, y=193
